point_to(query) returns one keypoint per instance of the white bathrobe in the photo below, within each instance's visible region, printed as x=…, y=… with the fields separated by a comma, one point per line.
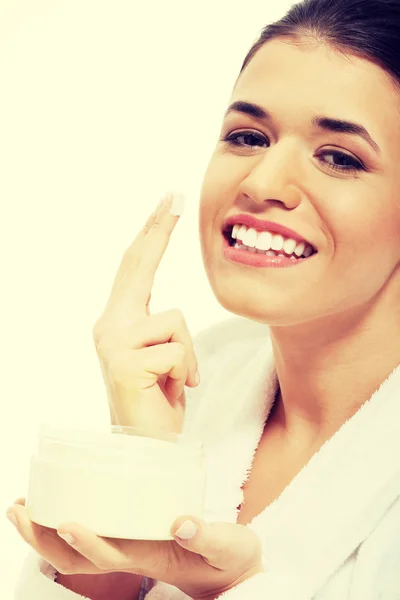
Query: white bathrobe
x=334, y=532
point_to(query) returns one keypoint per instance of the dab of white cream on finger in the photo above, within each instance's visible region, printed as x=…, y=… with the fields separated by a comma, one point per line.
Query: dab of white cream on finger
x=177, y=205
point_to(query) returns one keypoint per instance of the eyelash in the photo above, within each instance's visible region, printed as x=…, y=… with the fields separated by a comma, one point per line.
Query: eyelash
x=356, y=164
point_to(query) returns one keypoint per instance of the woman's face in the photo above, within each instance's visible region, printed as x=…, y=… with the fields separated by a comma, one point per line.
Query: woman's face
x=282, y=171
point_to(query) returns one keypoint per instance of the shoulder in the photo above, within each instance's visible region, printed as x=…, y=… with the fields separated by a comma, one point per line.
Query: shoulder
x=377, y=565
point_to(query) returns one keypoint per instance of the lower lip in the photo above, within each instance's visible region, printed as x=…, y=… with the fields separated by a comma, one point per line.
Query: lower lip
x=254, y=259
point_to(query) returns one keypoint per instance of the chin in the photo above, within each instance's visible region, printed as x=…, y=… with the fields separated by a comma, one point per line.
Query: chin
x=242, y=305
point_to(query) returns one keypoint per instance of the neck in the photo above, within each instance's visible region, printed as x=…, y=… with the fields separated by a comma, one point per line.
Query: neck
x=327, y=373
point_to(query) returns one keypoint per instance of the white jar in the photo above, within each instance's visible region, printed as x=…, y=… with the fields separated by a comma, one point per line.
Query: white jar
x=117, y=481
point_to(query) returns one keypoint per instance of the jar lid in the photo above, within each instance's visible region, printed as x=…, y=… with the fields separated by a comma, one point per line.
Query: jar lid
x=117, y=444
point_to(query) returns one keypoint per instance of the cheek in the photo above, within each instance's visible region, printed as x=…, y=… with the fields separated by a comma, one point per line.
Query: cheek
x=223, y=174
x=205, y=216
x=207, y=209
x=360, y=218
x=366, y=251
x=216, y=195
x=365, y=229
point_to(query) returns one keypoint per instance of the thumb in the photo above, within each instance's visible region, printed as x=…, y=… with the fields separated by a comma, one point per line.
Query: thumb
x=222, y=545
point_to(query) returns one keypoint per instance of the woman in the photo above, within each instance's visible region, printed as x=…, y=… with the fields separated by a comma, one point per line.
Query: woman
x=298, y=404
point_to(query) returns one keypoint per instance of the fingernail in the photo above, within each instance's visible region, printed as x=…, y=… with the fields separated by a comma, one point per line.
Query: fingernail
x=197, y=378
x=67, y=537
x=178, y=203
x=187, y=530
x=13, y=519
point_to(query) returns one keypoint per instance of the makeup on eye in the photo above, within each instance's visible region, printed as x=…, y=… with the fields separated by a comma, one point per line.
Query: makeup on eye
x=355, y=164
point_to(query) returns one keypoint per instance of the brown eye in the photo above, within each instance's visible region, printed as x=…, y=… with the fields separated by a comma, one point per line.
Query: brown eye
x=346, y=162
x=250, y=136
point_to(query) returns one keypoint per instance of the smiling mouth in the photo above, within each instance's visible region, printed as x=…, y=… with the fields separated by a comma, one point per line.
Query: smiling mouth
x=227, y=233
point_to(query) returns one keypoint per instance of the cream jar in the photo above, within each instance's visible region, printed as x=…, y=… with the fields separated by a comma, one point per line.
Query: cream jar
x=117, y=481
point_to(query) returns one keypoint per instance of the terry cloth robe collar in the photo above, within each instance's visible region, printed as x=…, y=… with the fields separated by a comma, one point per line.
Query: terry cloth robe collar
x=334, y=502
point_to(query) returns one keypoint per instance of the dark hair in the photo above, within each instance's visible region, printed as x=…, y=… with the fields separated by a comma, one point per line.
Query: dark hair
x=368, y=29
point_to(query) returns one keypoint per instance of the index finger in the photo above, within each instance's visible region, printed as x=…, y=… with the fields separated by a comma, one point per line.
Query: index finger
x=139, y=285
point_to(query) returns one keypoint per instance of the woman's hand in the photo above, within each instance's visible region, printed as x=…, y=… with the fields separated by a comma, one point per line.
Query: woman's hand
x=217, y=557
x=146, y=360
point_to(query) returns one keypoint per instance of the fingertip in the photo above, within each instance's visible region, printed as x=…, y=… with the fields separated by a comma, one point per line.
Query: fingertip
x=193, y=380
x=20, y=501
x=177, y=204
x=11, y=516
x=78, y=531
x=179, y=522
x=68, y=538
x=187, y=530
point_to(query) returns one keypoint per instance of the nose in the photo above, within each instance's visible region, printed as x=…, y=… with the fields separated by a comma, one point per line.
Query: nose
x=274, y=177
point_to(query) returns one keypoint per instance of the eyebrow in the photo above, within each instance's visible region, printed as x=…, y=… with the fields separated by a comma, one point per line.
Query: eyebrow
x=325, y=123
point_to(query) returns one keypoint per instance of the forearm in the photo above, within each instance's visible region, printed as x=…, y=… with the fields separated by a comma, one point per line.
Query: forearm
x=118, y=586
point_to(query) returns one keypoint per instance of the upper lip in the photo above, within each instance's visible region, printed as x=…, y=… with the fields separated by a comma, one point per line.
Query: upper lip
x=260, y=225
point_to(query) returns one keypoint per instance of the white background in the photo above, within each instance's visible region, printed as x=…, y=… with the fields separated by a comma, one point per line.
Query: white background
x=104, y=106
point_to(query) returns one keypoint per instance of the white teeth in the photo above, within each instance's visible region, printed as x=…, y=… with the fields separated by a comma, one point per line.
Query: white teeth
x=255, y=250
x=264, y=240
x=235, y=230
x=241, y=232
x=277, y=242
x=289, y=246
x=299, y=249
x=307, y=252
x=250, y=238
